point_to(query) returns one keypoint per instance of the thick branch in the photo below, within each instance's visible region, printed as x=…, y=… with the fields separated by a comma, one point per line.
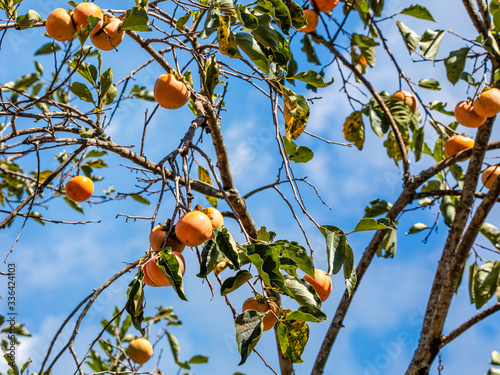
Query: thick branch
x=476, y=19
x=440, y=298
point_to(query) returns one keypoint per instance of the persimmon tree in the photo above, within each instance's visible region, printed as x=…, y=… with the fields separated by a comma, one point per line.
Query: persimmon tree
x=203, y=47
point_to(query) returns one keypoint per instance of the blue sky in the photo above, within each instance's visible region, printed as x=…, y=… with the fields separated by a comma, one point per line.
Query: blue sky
x=58, y=265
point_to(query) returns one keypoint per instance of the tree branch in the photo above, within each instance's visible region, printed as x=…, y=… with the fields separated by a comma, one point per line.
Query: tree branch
x=469, y=323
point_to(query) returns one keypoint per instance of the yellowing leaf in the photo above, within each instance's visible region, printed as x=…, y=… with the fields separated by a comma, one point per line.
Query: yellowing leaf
x=296, y=113
x=227, y=40
x=204, y=176
x=354, y=129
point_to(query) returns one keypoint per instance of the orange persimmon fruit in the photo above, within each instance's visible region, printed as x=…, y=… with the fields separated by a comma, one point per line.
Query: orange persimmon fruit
x=312, y=21
x=465, y=115
x=322, y=283
x=60, y=25
x=269, y=319
x=79, y=188
x=487, y=104
x=193, y=228
x=456, y=144
x=140, y=350
x=108, y=37
x=81, y=14
x=171, y=93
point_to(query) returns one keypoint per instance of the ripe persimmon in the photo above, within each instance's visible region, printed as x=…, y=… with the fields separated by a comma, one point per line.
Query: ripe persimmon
x=465, y=115
x=487, y=104
x=322, y=283
x=269, y=319
x=108, y=36
x=312, y=21
x=325, y=5
x=157, y=236
x=456, y=144
x=60, y=25
x=171, y=93
x=490, y=175
x=140, y=350
x=408, y=98
x=82, y=13
x=79, y=188
x=155, y=274
x=193, y=228
x=215, y=217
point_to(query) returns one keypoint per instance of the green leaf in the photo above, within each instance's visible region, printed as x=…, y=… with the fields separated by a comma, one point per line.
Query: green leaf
x=251, y=47
x=140, y=92
x=308, y=314
x=28, y=20
x=492, y=233
x=279, y=11
x=354, y=129
x=297, y=253
x=212, y=22
x=198, y=359
x=430, y=41
x=336, y=243
x=368, y=223
x=265, y=236
x=302, y=155
x=82, y=91
x=296, y=14
x=106, y=79
x=293, y=336
x=181, y=22
x=418, y=143
x=430, y=84
x=110, y=96
x=210, y=257
x=495, y=358
x=86, y=133
x=248, y=332
x=47, y=48
x=169, y=265
x=418, y=227
x=312, y=78
x=455, y=64
x=418, y=11
x=389, y=244
x=234, y=282
x=296, y=113
x=14, y=370
x=248, y=20
x=378, y=125
x=308, y=48
x=267, y=263
x=227, y=245
x=227, y=39
x=175, y=347
x=25, y=366
x=440, y=107
x=485, y=282
x=448, y=210
x=377, y=207
x=204, y=176
x=135, y=301
x=140, y=199
x=212, y=75
x=86, y=70
x=410, y=37
x=74, y=205
x=136, y=19
x=302, y=292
